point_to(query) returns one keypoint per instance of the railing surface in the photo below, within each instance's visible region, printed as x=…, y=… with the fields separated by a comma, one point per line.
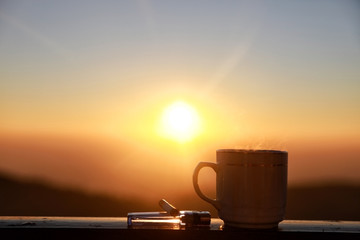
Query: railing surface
x=116, y=228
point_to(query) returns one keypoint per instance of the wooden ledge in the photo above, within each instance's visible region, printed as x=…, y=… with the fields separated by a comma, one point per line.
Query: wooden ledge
x=116, y=228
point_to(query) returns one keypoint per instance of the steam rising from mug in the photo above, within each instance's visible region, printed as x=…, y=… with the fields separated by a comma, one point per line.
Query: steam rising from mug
x=250, y=187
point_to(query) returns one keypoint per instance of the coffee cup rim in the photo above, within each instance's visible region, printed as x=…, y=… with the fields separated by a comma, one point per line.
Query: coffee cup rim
x=229, y=150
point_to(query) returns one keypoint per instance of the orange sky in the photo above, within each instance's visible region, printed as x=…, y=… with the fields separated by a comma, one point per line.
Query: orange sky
x=123, y=167
x=83, y=88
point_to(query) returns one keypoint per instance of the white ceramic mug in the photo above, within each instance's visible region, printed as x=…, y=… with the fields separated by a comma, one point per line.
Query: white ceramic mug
x=250, y=187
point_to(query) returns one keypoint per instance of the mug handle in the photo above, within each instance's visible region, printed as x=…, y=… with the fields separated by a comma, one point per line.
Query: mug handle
x=200, y=165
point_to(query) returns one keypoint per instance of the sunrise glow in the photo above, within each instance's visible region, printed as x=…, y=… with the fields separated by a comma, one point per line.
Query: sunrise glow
x=179, y=122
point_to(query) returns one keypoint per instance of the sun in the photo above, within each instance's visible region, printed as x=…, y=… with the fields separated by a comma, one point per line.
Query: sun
x=180, y=122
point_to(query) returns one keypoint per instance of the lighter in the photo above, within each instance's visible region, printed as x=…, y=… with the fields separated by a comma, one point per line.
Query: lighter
x=172, y=218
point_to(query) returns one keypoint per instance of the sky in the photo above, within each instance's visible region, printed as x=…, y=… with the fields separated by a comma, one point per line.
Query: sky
x=260, y=74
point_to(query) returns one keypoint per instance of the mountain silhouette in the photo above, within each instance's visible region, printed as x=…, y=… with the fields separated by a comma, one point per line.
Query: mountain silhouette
x=35, y=198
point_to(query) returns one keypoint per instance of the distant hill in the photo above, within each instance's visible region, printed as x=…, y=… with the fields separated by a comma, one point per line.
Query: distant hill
x=17, y=197
x=21, y=198
x=324, y=202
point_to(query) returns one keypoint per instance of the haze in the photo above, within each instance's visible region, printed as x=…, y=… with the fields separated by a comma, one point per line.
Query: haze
x=83, y=86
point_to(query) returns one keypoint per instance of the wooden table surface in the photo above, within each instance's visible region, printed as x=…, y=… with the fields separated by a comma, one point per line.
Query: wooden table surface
x=116, y=228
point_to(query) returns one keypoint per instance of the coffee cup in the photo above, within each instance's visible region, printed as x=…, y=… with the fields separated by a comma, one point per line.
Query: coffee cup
x=251, y=187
